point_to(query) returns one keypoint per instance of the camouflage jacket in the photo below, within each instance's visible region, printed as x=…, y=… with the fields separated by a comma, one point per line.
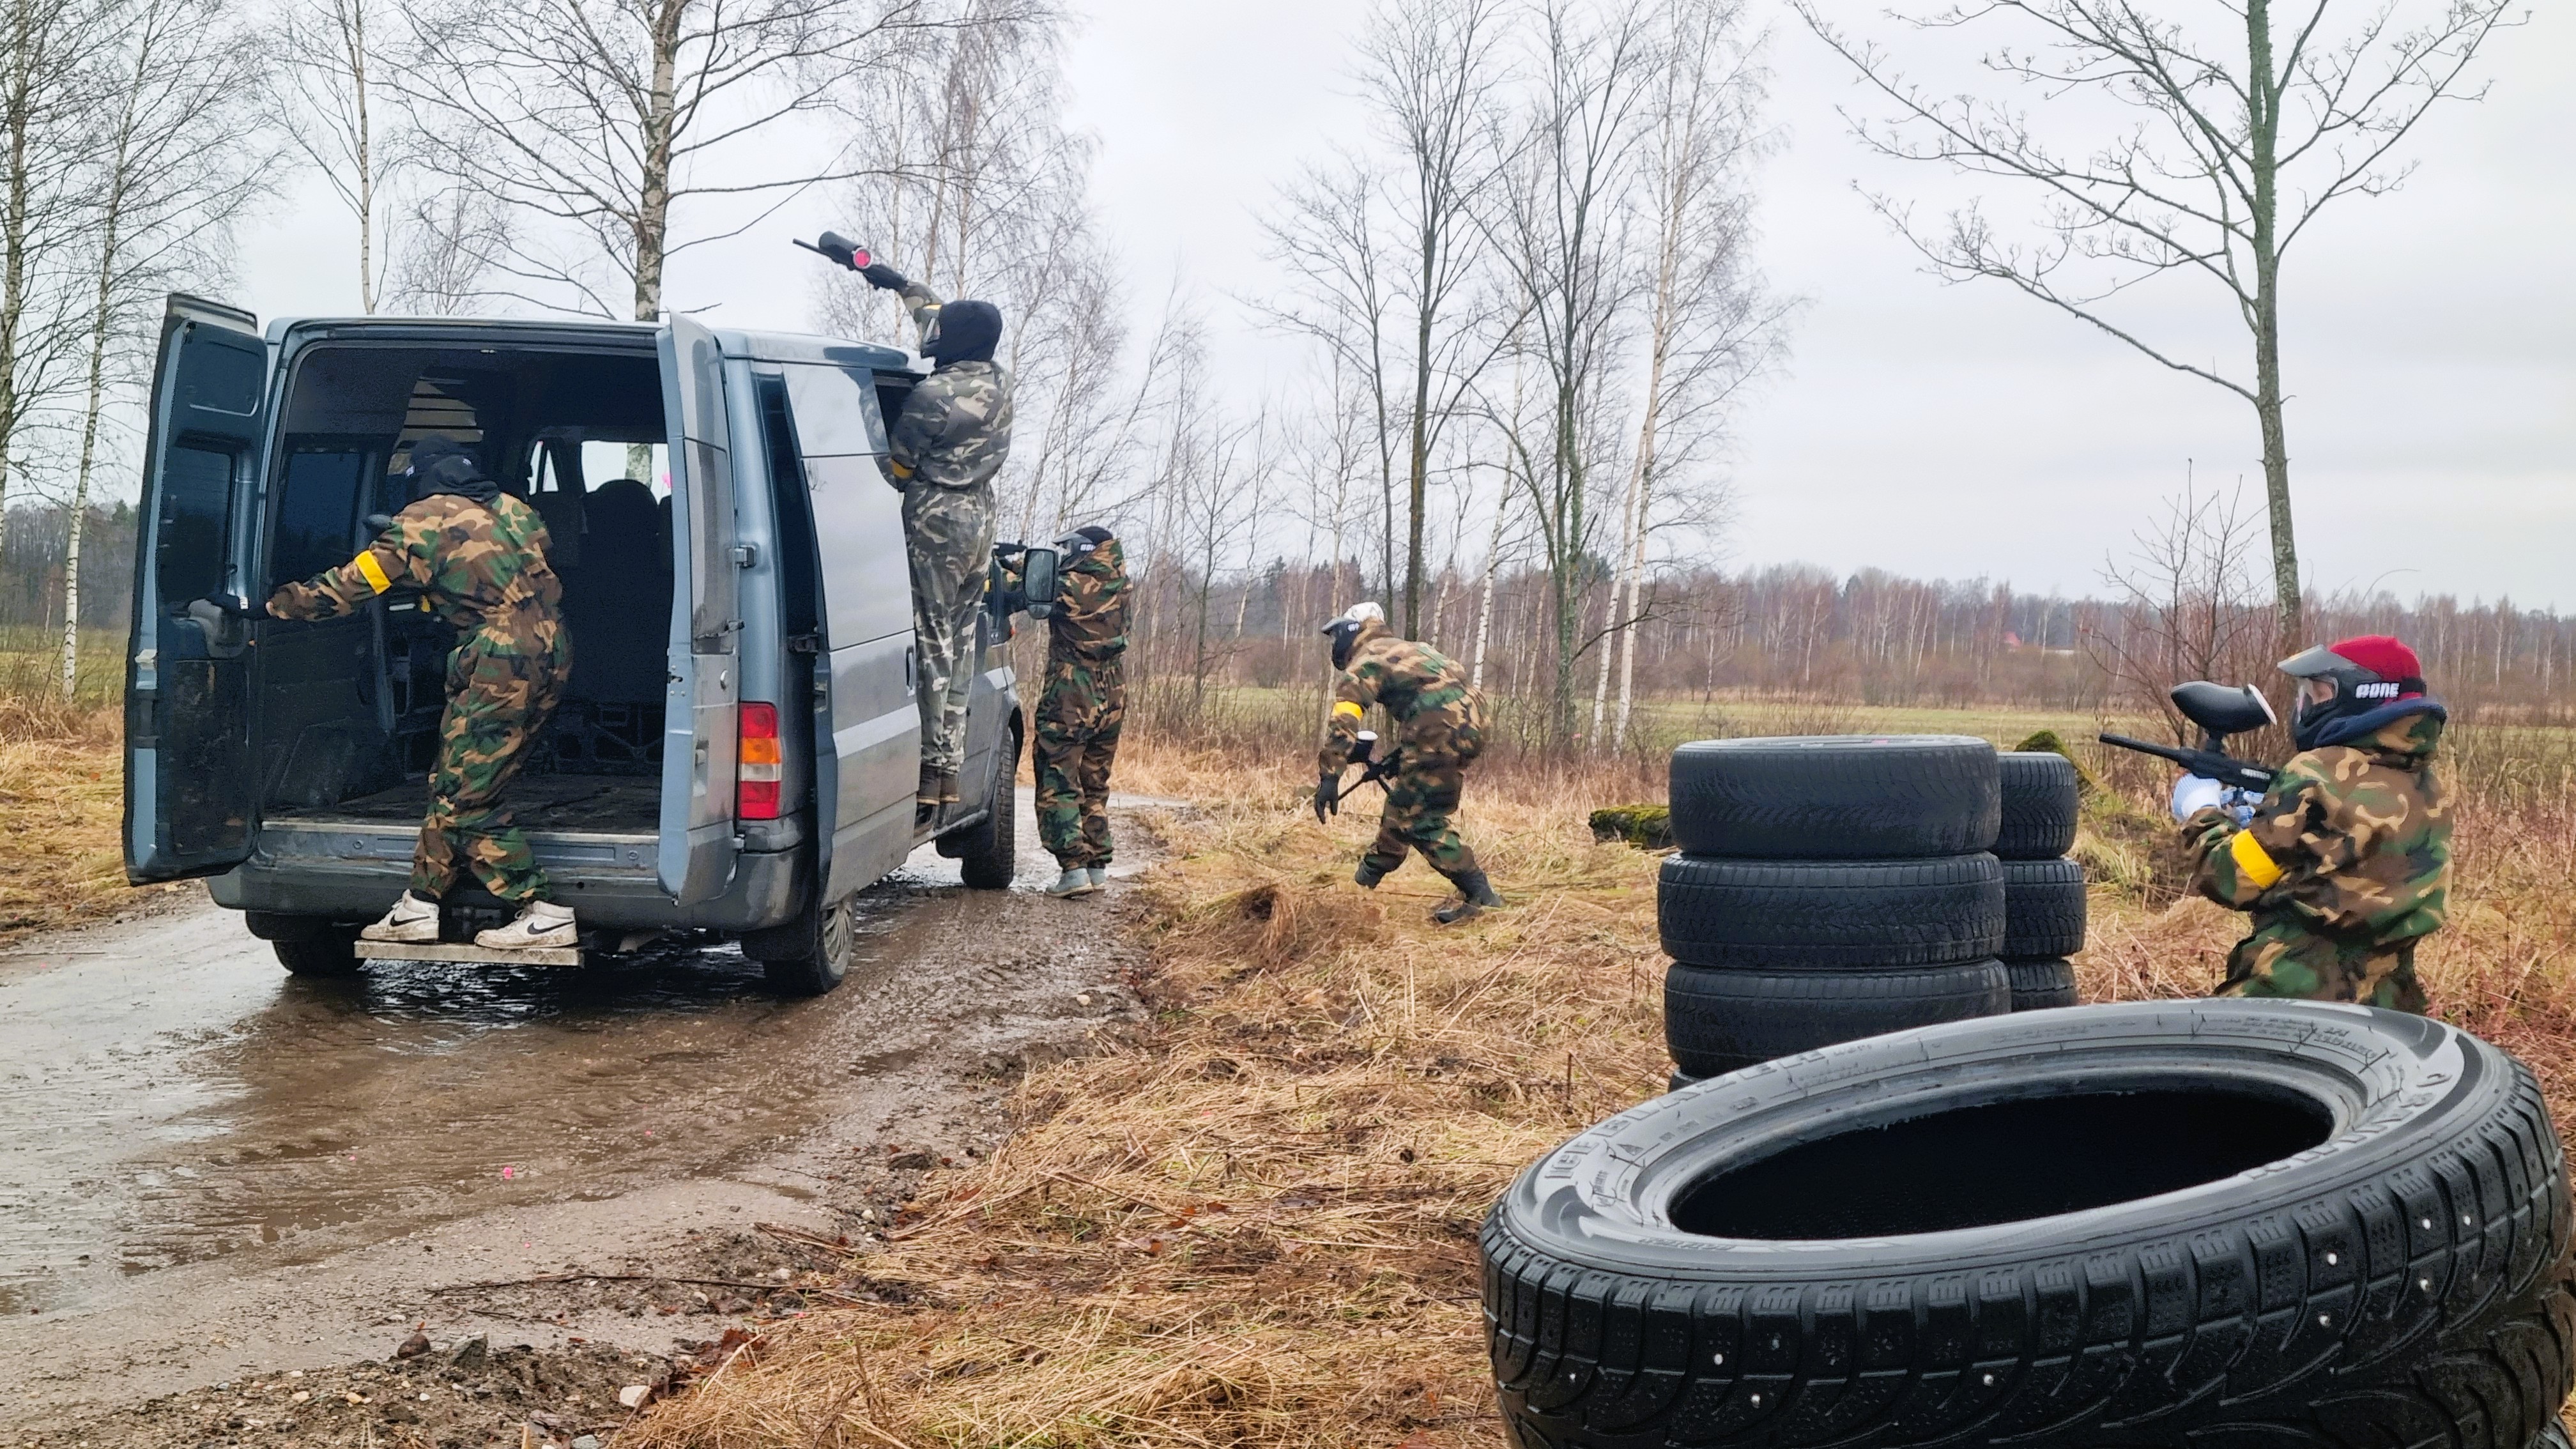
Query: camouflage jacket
x=2351, y=841
x=955, y=427
x=480, y=567
x=1423, y=690
x=1090, y=619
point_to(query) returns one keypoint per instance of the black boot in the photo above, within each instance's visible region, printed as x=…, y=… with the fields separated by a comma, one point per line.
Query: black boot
x=1475, y=897
x=1367, y=876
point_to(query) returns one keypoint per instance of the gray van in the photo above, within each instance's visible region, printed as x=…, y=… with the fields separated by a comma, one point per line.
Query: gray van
x=760, y=606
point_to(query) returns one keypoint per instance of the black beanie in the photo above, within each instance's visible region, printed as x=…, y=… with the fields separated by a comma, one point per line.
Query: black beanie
x=968, y=332
x=440, y=464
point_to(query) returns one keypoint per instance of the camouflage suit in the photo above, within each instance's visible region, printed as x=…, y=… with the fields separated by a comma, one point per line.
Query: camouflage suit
x=1082, y=706
x=2347, y=864
x=1440, y=728
x=481, y=567
x=945, y=446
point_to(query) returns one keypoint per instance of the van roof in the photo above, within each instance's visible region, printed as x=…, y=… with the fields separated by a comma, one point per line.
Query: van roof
x=761, y=346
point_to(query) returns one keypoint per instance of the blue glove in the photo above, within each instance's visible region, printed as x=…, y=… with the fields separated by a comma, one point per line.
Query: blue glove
x=2195, y=793
x=2240, y=804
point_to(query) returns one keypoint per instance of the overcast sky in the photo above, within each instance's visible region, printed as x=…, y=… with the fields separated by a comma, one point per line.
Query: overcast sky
x=2430, y=337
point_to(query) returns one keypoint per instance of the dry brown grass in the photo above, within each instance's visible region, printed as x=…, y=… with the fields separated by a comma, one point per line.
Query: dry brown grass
x=62, y=803
x=1255, y=1224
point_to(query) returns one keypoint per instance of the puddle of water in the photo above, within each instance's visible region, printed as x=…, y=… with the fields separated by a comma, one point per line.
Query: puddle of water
x=173, y=1096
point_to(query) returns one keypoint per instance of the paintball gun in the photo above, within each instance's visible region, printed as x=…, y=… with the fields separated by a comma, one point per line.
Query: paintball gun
x=840, y=249
x=2220, y=710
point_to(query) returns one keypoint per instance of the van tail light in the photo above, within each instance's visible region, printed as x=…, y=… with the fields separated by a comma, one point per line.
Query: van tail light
x=757, y=763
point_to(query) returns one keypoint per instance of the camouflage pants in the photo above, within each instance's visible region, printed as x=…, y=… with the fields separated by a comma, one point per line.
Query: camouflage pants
x=1420, y=797
x=1079, y=717
x=498, y=700
x=948, y=533
x=2286, y=959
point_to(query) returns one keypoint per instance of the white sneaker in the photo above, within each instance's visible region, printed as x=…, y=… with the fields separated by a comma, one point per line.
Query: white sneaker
x=412, y=920
x=540, y=925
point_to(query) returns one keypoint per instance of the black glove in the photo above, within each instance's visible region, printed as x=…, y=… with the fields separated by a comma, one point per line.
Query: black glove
x=882, y=276
x=233, y=608
x=1328, y=795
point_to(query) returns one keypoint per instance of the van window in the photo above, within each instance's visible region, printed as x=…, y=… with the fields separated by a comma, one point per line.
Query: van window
x=836, y=415
x=194, y=534
x=317, y=509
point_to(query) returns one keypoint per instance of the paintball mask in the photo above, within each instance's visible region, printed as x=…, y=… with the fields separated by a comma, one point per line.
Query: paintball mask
x=2368, y=673
x=1345, y=631
x=1082, y=541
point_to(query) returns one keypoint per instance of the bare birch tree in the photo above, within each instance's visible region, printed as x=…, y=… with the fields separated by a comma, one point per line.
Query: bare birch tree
x=49, y=81
x=165, y=203
x=2244, y=130
x=331, y=104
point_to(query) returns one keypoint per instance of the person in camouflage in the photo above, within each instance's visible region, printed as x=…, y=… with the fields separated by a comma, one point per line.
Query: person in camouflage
x=1440, y=729
x=478, y=556
x=944, y=448
x=2345, y=862
x=1081, y=708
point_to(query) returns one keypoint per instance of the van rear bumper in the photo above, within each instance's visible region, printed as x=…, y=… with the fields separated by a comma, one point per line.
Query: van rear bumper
x=353, y=872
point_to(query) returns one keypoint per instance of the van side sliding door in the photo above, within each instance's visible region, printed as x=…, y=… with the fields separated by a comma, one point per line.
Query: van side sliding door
x=698, y=843
x=188, y=777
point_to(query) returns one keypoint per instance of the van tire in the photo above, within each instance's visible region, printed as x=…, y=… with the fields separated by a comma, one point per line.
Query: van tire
x=2402, y=1278
x=334, y=954
x=1724, y=1021
x=2043, y=909
x=1781, y=914
x=2041, y=985
x=991, y=859
x=809, y=955
x=2041, y=799
x=1836, y=797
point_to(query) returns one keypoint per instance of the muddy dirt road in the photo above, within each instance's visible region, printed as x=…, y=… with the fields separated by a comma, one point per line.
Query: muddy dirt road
x=209, y=1168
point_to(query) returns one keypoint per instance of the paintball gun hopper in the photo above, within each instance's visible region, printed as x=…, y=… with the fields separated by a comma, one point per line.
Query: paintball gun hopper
x=2220, y=710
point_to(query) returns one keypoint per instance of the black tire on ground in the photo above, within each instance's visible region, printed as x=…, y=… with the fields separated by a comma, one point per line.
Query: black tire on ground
x=1776, y=914
x=809, y=955
x=331, y=954
x=1836, y=797
x=2040, y=804
x=1723, y=1021
x=2135, y=1226
x=2041, y=985
x=2043, y=909
x=991, y=859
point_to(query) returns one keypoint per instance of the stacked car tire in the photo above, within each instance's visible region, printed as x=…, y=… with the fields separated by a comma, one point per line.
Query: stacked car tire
x=1829, y=888
x=2043, y=890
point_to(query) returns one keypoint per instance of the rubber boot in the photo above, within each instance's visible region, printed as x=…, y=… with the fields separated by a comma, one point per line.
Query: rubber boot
x=412, y=921
x=925, y=800
x=1367, y=876
x=1099, y=876
x=1475, y=897
x=948, y=787
x=1076, y=881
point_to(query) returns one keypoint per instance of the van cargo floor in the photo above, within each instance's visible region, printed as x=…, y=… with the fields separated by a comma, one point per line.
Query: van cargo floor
x=537, y=802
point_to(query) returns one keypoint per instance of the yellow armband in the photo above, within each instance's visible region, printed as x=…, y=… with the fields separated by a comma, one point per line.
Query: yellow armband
x=1348, y=708
x=2253, y=861
x=372, y=571
x=900, y=471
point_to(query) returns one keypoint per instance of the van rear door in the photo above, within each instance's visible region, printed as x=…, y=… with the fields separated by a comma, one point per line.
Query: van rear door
x=188, y=779
x=698, y=725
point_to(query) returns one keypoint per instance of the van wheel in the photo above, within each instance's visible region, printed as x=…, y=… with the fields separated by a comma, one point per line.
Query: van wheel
x=991, y=859
x=809, y=955
x=334, y=954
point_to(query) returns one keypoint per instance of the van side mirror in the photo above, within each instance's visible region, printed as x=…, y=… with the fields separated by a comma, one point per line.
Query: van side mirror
x=1038, y=582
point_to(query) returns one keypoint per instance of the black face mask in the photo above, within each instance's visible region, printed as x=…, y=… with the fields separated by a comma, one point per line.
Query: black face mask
x=969, y=331
x=442, y=465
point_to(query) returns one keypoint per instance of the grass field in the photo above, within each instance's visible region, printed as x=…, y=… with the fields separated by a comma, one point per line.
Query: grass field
x=1255, y=1224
